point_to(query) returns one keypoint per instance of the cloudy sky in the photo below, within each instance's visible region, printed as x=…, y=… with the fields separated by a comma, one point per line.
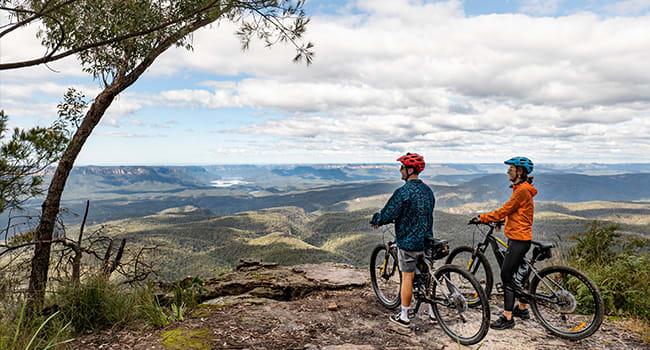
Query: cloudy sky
x=457, y=81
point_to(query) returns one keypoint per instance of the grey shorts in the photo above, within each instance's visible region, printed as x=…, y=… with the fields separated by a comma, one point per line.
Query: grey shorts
x=408, y=259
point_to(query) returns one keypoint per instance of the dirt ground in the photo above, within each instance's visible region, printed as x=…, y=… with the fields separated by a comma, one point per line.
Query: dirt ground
x=331, y=319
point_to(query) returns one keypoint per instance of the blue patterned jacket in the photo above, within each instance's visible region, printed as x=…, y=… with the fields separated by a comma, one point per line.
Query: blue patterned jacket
x=411, y=209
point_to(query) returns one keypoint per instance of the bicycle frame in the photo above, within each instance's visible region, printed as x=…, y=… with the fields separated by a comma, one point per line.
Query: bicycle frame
x=499, y=248
x=492, y=241
x=433, y=281
x=428, y=269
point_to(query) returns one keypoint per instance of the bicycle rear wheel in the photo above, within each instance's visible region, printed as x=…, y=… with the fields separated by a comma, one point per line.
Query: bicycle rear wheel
x=477, y=264
x=566, y=302
x=464, y=324
x=385, y=277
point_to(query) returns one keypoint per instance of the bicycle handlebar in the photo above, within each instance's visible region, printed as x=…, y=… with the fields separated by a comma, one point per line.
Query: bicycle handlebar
x=496, y=224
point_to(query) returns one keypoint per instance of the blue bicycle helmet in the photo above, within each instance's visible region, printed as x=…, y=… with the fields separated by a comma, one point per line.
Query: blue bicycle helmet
x=521, y=161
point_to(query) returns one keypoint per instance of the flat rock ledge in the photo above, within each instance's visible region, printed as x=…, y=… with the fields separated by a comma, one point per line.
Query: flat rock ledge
x=259, y=282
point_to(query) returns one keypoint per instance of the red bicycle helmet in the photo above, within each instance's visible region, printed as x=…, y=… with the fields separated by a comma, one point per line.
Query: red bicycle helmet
x=413, y=160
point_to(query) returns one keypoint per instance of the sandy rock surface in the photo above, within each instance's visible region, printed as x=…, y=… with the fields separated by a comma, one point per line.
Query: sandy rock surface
x=322, y=307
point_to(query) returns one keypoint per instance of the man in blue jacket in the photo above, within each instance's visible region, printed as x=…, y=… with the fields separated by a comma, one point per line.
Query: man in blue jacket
x=411, y=209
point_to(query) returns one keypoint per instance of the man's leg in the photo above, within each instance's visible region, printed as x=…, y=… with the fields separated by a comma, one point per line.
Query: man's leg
x=407, y=261
x=406, y=293
x=407, y=288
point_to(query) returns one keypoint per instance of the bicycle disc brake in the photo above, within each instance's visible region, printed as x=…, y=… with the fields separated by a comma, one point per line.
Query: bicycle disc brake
x=566, y=302
x=459, y=301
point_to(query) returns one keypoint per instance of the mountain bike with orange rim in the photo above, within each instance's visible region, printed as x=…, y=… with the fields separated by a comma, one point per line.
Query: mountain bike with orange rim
x=564, y=300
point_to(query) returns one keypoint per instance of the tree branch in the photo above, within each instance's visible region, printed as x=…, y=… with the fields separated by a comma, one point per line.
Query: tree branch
x=52, y=57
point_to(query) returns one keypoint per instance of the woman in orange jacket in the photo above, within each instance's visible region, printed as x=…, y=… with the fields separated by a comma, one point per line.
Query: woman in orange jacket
x=518, y=212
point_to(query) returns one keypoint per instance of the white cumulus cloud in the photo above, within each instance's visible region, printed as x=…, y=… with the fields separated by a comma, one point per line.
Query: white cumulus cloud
x=397, y=75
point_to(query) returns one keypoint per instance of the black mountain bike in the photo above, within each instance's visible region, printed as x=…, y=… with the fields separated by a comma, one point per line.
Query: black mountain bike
x=447, y=289
x=564, y=300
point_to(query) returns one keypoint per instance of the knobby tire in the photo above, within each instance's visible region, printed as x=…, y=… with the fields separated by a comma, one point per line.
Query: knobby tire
x=482, y=306
x=387, y=291
x=577, y=325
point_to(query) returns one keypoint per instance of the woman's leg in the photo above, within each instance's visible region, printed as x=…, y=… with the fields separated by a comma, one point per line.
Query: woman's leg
x=513, y=258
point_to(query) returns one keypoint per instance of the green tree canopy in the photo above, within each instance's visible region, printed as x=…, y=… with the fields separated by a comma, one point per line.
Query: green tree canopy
x=25, y=155
x=116, y=41
x=106, y=33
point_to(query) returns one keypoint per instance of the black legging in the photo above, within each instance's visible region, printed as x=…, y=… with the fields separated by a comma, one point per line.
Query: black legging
x=514, y=257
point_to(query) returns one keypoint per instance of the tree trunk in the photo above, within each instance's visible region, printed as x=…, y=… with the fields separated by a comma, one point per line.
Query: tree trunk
x=45, y=229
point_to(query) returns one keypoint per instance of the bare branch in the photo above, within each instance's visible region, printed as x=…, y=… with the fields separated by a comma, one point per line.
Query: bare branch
x=9, y=248
x=107, y=256
x=118, y=257
x=76, y=262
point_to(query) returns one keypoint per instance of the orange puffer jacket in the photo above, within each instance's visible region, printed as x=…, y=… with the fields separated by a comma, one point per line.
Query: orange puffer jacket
x=518, y=212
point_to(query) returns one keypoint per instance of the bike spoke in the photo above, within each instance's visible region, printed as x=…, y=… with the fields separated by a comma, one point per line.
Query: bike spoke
x=567, y=303
x=466, y=324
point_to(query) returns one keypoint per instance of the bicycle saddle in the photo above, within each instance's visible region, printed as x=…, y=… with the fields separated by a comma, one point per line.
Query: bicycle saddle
x=439, y=247
x=542, y=251
x=543, y=245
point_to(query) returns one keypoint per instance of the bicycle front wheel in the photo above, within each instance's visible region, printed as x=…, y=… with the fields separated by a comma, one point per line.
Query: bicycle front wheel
x=385, y=277
x=477, y=264
x=566, y=302
x=464, y=324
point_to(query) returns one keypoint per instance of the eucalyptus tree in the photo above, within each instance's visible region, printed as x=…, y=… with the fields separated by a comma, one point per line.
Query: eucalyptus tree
x=25, y=154
x=116, y=41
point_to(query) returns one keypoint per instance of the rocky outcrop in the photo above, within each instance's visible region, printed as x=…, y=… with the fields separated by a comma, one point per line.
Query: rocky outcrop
x=271, y=281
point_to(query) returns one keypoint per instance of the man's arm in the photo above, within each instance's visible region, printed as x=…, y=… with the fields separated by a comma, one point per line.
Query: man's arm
x=391, y=210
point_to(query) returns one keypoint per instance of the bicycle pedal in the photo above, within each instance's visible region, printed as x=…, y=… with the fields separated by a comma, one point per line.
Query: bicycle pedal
x=499, y=288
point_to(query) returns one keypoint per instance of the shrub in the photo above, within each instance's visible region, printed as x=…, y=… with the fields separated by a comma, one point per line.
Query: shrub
x=595, y=246
x=624, y=285
x=99, y=304
x=189, y=291
x=619, y=267
x=95, y=304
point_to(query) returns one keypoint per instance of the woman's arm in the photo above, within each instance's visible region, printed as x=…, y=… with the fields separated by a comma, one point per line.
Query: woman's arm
x=508, y=208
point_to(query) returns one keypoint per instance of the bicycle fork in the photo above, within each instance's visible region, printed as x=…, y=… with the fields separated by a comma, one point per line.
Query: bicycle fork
x=384, y=275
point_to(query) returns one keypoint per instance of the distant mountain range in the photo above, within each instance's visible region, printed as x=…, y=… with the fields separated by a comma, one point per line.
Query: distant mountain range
x=265, y=174
x=571, y=187
x=118, y=192
x=582, y=182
